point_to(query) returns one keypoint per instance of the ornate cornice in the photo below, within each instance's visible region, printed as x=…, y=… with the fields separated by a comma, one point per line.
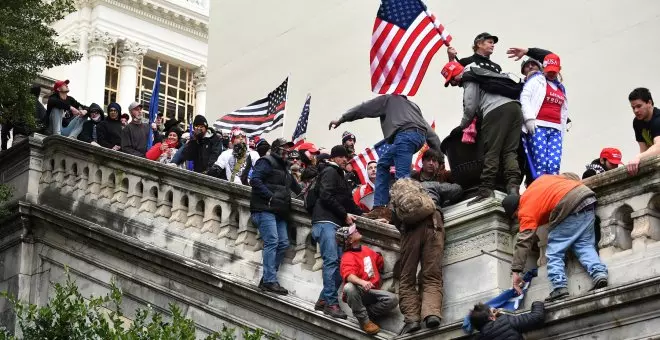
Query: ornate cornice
x=71, y=41
x=100, y=43
x=168, y=14
x=199, y=78
x=131, y=53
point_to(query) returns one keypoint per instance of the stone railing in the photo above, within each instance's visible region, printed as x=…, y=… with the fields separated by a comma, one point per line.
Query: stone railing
x=208, y=220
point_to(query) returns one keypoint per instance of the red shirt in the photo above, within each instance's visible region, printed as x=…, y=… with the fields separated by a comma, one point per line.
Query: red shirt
x=551, y=108
x=363, y=263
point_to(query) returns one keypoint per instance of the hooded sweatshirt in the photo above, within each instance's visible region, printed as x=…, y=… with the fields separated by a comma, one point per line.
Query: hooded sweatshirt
x=109, y=130
x=90, y=127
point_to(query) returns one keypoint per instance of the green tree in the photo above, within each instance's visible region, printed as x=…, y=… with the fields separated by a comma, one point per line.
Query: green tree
x=68, y=315
x=5, y=195
x=27, y=47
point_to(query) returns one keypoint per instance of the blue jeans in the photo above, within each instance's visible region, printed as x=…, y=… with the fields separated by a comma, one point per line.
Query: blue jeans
x=575, y=232
x=274, y=233
x=72, y=130
x=399, y=154
x=324, y=234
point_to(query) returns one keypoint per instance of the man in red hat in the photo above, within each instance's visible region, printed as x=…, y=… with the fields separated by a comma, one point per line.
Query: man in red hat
x=610, y=158
x=62, y=108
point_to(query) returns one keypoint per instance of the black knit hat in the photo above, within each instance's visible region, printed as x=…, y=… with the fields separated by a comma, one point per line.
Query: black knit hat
x=200, y=120
x=510, y=204
x=346, y=136
x=338, y=151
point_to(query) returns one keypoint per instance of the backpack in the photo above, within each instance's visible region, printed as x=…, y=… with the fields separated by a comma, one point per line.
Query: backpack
x=494, y=83
x=410, y=202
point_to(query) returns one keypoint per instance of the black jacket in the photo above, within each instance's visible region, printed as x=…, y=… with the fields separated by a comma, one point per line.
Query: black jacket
x=335, y=199
x=203, y=152
x=594, y=168
x=54, y=101
x=271, y=183
x=511, y=327
x=87, y=133
x=108, y=132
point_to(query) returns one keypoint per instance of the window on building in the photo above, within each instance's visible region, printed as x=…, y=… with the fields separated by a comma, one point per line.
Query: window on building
x=111, y=77
x=177, y=93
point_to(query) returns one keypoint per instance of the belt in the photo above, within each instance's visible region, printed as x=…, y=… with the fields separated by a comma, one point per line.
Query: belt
x=414, y=129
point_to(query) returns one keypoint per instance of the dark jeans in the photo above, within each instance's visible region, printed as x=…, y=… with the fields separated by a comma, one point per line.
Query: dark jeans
x=369, y=304
x=500, y=135
x=324, y=234
x=399, y=154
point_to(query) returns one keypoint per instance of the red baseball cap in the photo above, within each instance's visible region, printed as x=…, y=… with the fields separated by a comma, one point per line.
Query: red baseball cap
x=451, y=70
x=612, y=155
x=551, y=63
x=59, y=84
x=308, y=146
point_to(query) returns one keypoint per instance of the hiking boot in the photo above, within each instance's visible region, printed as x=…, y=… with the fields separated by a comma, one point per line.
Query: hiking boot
x=379, y=213
x=600, y=282
x=513, y=189
x=319, y=305
x=557, y=294
x=410, y=327
x=370, y=327
x=272, y=287
x=334, y=311
x=432, y=321
x=482, y=195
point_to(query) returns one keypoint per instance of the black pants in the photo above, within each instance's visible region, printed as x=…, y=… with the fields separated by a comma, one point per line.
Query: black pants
x=500, y=133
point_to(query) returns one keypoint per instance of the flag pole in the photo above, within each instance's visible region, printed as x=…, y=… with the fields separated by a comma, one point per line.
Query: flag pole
x=286, y=102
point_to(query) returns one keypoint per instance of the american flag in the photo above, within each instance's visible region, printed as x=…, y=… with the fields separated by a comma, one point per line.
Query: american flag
x=404, y=39
x=262, y=116
x=360, y=161
x=301, y=128
x=417, y=165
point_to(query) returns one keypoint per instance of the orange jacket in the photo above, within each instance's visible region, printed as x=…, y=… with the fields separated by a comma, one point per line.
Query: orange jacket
x=540, y=198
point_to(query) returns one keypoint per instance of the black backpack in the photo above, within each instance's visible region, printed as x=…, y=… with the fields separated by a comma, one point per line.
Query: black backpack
x=494, y=83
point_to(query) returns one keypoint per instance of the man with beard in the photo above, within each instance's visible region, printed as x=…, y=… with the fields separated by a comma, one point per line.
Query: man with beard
x=203, y=148
x=610, y=159
x=348, y=141
x=135, y=135
x=235, y=164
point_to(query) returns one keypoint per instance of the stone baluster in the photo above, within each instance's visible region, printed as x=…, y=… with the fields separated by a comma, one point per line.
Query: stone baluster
x=59, y=173
x=614, y=237
x=134, y=196
x=179, y=209
x=94, y=181
x=299, y=253
x=229, y=221
x=70, y=179
x=247, y=241
x=47, y=175
x=318, y=260
x=646, y=228
x=164, y=209
x=212, y=216
x=120, y=193
x=195, y=213
x=149, y=201
x=81, y=186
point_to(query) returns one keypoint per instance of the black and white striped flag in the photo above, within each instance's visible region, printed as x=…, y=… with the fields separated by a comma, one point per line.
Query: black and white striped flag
x=264, y=115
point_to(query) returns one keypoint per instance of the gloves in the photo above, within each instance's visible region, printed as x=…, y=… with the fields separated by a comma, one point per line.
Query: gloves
x=531, y=126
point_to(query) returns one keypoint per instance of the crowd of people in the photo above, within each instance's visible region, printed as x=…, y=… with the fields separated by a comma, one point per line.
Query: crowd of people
x=555, y=211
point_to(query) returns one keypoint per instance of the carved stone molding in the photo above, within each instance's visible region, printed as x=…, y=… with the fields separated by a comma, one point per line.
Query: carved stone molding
x=471, y=247
x=131, y=53
x=100, y=43
x=71, y=41
x=199, y=78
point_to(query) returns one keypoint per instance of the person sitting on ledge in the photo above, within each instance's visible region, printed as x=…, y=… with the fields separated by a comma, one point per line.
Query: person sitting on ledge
x=495, y=326
x=558, y=210
x=360, y=269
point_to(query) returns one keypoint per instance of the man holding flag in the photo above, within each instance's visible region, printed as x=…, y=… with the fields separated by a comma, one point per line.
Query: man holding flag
x=405, y=129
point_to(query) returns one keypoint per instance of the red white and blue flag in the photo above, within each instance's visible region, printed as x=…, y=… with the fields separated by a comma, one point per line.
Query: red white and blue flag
x=264, y=115
x=361, y=160
x=301, y=128
x=405, y=38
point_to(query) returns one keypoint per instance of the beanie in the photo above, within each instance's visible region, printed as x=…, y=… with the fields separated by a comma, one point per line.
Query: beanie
x=510, y=204
x=346, y=136
x=530, y=61
x=338, y=151
x=200, y=120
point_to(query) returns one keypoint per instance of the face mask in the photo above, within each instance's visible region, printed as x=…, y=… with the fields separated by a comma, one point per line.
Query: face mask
x=97, y=118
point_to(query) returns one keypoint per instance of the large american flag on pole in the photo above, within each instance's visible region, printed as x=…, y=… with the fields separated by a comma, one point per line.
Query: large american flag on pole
x=405, y=38
x=301, y=128
x=264, y=115
x=361, y=160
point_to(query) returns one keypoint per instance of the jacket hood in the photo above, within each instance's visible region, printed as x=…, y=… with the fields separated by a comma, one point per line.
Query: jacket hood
x=118, y=108
x=95, y=107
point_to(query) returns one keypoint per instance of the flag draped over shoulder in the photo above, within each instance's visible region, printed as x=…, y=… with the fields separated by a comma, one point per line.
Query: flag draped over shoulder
x=405, y=38
x=264, y=115
x=301, y=128
x=417, y=164
x=361, y=160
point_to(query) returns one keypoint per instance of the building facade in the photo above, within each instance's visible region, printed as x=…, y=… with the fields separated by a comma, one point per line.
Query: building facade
x=607, y=48
x=122, y=43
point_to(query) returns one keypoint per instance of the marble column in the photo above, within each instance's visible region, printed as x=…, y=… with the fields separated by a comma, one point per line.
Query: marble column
x=199, y=79
x=99, y=46
x=131, y=54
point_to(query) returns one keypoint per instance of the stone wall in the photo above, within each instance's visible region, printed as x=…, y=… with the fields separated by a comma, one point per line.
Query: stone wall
x=169, y=235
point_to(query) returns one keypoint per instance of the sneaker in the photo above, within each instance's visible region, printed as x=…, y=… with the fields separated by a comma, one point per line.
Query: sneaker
x=432, y=321
x=482, y=195
x=557, y=294
x=379, y=213
x=599, y=282
x=334, y=311
x=319, y=305
x=410, y=327
x=370, y=328
x=273, y=287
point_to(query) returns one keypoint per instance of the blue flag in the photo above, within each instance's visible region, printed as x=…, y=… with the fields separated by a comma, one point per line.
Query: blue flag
x=191, y=164
x=153, y=107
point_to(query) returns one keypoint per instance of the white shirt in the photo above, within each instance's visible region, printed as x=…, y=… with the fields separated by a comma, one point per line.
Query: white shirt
x=227, y=162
